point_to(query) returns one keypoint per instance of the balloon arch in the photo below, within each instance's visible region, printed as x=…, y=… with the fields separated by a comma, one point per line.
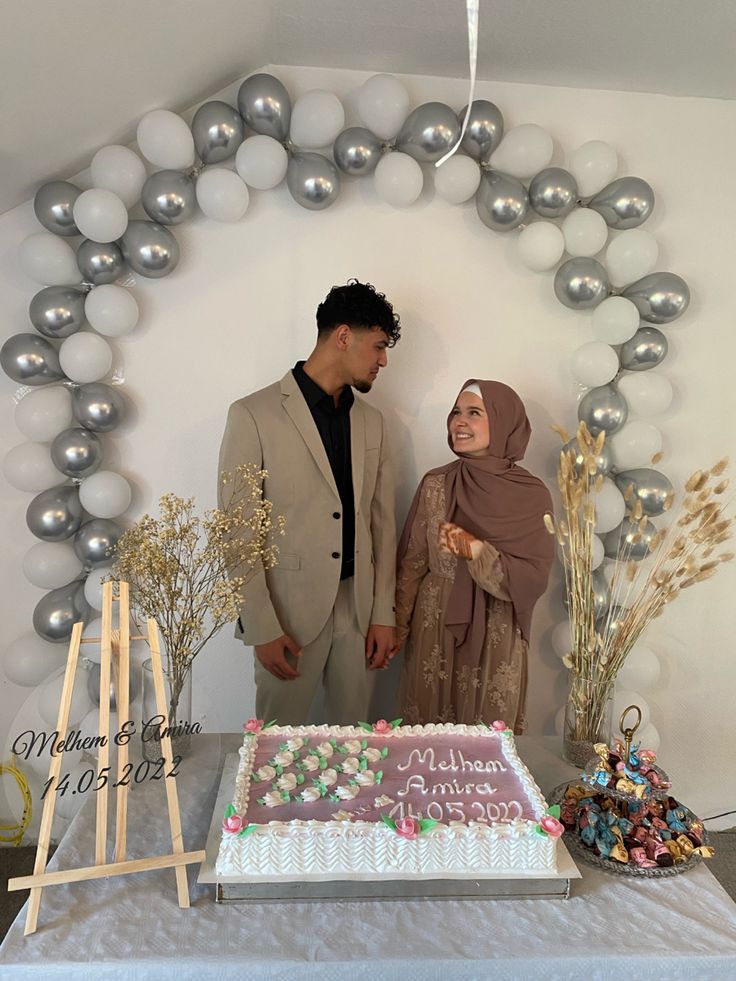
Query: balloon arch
x=66, y=406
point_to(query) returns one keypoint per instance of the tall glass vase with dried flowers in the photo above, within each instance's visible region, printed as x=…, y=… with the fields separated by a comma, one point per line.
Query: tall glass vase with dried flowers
x=652, y=568
x=188, y=572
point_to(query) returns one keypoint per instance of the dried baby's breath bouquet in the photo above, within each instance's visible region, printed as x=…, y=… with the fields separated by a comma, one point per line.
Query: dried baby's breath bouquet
x=187, y=572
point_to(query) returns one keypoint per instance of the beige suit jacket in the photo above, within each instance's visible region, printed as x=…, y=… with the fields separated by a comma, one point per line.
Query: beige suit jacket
x=274, y=429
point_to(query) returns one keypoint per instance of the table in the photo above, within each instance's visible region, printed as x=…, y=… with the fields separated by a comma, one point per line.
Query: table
x=132, y=928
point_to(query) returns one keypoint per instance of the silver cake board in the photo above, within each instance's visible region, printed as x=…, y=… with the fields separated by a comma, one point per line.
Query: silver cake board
x=237, y=889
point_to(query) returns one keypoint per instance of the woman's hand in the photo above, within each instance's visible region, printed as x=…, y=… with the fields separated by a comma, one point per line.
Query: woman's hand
x=458, y=541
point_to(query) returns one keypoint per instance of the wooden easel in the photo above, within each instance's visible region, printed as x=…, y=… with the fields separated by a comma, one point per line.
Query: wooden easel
x=115, y=658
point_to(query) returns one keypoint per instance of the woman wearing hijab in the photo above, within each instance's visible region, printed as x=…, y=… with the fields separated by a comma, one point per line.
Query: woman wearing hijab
x=474, y=558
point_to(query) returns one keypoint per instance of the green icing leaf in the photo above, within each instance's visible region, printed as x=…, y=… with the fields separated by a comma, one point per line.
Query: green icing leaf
x=335, y=798
x=322, y=763
x=261, y=800
x=283, y=747
x=285, y=796
x=246, y=831
x=389, y=822
x=364, y=744
x=396, y=723
x=384, y=752
x=229, y=811
x=379, y=776
x=269, y=724
x=363, y=765
x=300, y=778
x=279, y=771
x=554, y=811
x=541, y=832
x=426, y=824
x=365, y=725
x=333, y=743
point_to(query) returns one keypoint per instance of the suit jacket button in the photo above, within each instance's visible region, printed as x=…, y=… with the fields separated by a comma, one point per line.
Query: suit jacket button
x=335, y=555
x=335, y=514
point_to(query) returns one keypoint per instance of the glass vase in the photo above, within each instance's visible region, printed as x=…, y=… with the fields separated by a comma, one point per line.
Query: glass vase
x=588, y=718
x=177, y=722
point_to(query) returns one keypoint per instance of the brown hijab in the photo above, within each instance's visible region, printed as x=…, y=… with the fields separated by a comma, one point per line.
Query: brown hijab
x=500, y=502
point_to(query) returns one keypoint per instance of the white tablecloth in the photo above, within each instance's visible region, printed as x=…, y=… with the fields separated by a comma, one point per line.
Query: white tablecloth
x=131, y=927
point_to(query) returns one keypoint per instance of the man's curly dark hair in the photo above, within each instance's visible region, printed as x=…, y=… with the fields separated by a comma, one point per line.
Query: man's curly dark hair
x=357, y=305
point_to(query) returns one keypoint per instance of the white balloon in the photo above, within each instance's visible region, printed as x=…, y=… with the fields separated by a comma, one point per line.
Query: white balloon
x=562, y=639
x=598, y=552
x=222, y=195
x=49, y=699
x=593, y=165
x=93, y=629
x=93, y=586
x=118, y=169
x=647, y=392
x=383, y=105
x=42, y=413
x=40, y=764
x=631, y=255
x=615, y=320
x=89, y=728
x=457, y=179
x=635, y=444
x=45, y=258
x=585, y=232
x=524, y=151
x=112, y=310
x=166, y=140
x=105, y=494
x=640, y=670
x=540, y=245
x=29, y=660
x=398, y=179
x=50, y=565
x=28, y=467
x=648, y=736
x=100, y=215
x=610, y=507
x=85, y=357
x=316, y=119
x=622, y=698
x=261, y=162
x=594, y=364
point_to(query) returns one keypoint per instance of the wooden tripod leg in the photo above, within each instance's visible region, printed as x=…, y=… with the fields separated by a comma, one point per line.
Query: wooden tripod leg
x=103, y=765
x=123, y=693
x=47, y=817
x=172, y=800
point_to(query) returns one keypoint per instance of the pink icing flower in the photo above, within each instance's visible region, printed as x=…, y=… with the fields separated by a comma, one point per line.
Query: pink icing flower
x=381, y=726
x=233, y=824
x=552, y=826
x=253, y=725
x=499, y=725
x=408, y=828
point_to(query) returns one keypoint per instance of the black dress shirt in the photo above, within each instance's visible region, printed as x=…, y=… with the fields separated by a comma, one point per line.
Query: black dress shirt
x=333, y=424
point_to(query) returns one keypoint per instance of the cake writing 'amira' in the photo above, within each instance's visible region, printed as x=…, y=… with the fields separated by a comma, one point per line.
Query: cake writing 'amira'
x=383, y=801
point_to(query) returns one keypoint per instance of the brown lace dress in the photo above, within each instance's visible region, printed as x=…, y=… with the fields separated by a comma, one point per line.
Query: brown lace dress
x=435, y=685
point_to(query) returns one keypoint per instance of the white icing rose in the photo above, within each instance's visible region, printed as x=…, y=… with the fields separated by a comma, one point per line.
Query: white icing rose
x=352, y=746
x=273, y=799
x=286, y=782
x=372, y=754
x=284, y=758
x=265, y=773
x=326, y=750
x=366, y=779
x=328, y=777
x=347, y=792
x=310, y=795
x=311, y=763
x=295, y=743
x=383, y=800
x=342, y=816
x=350, y=764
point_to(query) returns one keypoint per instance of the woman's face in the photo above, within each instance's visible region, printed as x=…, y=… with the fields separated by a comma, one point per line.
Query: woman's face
x=469, y=429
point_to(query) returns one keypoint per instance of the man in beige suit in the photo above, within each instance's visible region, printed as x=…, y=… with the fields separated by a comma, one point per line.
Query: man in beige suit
x=325, y=613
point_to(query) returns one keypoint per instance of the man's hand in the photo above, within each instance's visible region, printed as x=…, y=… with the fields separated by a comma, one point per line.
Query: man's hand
x=273, y=657
x=379, y=645
x=458, y=541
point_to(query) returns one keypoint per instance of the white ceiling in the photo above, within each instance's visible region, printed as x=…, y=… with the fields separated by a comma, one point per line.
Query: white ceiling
x=77, y=74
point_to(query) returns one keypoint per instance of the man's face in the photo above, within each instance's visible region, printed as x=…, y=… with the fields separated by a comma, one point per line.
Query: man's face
x=365, y=355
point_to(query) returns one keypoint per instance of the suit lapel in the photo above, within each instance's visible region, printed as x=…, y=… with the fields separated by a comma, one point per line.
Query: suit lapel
x=300, y=415
x=357, y=448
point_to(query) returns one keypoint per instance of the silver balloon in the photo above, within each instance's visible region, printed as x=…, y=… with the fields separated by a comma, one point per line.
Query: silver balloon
x=603, y=409
x=484, y=131
x=265, y=106
x=313, y=180
x=429, y=132
x=581, y=283
x=58, y=611
x=55, y=514
x=553, y=193
x=76, y=452
x=93, y=687
x=650, y=487
x=150, y=249
x=660, y=297
x=100, y=263
x=609, y=623
x=169, y=196
x=54, y=206
x=98, y=407
x=601, y=593
x=58, y=311
x=217, y=130
x=95, y=542
x=30, y=360
x=625, y=203
x=646, y=349
x=501, y=201
x=627, y=542
x=603, y=460
x=357, y=151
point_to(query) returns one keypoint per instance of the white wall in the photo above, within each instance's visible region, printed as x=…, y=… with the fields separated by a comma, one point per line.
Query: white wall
x=239, y=311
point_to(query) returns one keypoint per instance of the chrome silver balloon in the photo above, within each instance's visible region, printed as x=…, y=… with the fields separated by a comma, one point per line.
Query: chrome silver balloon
x=603, y=460
x=100, y=263
x=150, y=249
x=603, y=409
x=484, y=131
x=553, y=193
x=168, y=196
x=30, y=360
x=57, y=612
x=54, y=207
x=601, y=593
x=94, y=543
x=265, y=106
x=581, y=283
x=501, y=201
x=429, y=132
x=313, y=180
x=651, y=487
x=55, y=514
x=98, y=407
x=218, y=131
x=660, y=297
x=76, y=452
x=58, y=311
x=626, y=203
x=357, y=151
x=646, y=349
x=627, y=542
x=609, y=623
x=93, y=687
